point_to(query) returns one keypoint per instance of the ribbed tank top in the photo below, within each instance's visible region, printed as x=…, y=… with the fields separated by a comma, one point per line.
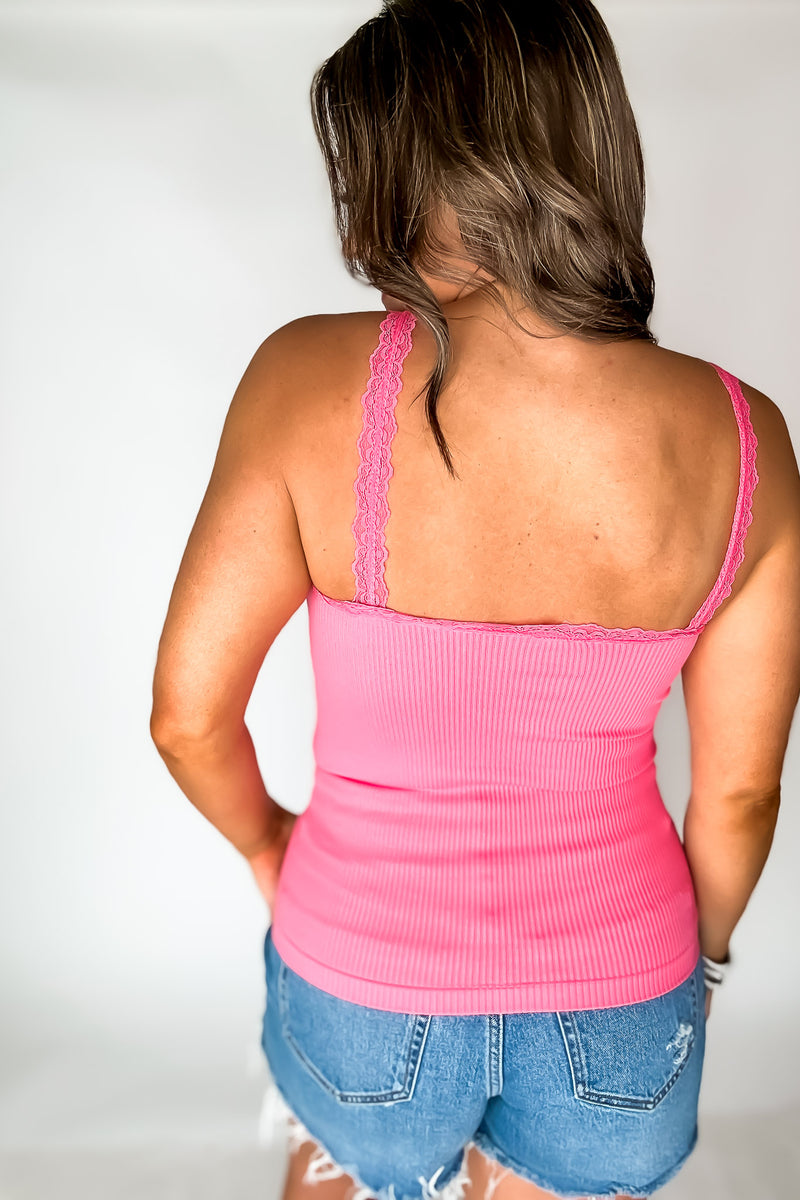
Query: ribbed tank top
x=485, y=832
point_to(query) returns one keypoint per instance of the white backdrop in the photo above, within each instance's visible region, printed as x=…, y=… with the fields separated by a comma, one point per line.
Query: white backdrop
x=164, y=208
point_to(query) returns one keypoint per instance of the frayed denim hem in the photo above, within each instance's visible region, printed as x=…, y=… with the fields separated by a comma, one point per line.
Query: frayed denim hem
x=277, y=1119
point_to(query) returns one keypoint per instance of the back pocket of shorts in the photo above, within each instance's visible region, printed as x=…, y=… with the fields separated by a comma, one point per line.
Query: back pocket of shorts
x=360, y=1055
x=630, y=1057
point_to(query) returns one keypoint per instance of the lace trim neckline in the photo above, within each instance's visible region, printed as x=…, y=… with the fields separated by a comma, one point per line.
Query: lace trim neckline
x=563, y=629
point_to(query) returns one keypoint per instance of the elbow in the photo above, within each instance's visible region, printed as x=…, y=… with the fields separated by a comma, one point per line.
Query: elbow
x=174, y=721
x=766, y=800
x=752, y=799
x=169, y=732
x=178, y=735
x=164, y=732
x=765, y=796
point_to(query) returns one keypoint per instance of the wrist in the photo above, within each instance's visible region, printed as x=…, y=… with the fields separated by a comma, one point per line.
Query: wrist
x=714, y=935
x=267, y=837
x=276, y=837
x=716, y=955
x=716, y=969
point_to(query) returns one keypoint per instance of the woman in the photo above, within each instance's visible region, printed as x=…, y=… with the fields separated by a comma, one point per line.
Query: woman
x=491, y=958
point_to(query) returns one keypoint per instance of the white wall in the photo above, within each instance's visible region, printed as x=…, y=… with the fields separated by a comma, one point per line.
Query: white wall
x=164, y=208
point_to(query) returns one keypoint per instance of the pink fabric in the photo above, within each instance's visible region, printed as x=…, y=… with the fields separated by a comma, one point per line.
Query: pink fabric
x=486, y=832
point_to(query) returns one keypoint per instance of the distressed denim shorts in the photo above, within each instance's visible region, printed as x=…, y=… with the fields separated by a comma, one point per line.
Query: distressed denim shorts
x=588, y=1103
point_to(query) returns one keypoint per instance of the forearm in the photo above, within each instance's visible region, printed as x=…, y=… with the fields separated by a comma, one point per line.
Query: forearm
x=219, y=774
x=726, y=845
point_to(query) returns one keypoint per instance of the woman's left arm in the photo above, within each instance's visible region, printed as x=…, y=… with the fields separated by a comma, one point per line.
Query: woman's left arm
x=242, y=576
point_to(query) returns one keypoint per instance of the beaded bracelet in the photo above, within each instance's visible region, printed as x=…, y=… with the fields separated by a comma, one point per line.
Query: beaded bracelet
x=714, y=972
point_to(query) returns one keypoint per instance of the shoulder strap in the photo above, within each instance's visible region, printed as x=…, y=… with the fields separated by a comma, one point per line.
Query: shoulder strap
x=375, y=453
x=743, y=516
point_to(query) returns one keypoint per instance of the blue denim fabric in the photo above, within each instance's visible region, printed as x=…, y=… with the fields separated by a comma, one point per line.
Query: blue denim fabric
x=588, y=1103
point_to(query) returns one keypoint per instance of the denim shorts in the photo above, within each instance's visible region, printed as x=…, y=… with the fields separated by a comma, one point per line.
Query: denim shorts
x=588, y=1103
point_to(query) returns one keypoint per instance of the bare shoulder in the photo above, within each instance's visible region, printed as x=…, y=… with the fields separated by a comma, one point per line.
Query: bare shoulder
x=776, y=500
x=338, y=338
x=297, y=371
x=769, y=424
x=302, y=343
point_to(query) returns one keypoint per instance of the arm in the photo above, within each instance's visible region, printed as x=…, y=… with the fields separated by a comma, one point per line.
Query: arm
x=741, y=685
x=242, y=576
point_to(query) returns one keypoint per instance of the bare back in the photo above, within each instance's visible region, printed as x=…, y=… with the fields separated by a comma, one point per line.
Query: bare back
x=597, y=482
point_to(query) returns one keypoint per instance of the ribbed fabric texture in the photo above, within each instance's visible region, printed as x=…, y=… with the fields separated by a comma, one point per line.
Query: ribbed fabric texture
x=486, y=832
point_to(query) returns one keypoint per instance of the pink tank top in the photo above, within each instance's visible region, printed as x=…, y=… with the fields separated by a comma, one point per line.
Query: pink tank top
x=486, y=832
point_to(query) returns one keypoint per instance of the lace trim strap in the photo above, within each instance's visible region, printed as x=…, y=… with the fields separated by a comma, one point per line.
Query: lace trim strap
x=743, y=516
x=375, y=455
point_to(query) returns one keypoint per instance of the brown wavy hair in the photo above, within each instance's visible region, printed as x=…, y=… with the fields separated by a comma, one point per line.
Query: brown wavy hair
x=516, y=116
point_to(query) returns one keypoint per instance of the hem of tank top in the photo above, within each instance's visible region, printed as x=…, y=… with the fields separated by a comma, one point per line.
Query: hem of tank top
x=690, y=954
x=565, y=629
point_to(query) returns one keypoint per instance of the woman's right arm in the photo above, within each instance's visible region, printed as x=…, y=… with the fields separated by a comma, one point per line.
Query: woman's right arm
x=741, y=685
